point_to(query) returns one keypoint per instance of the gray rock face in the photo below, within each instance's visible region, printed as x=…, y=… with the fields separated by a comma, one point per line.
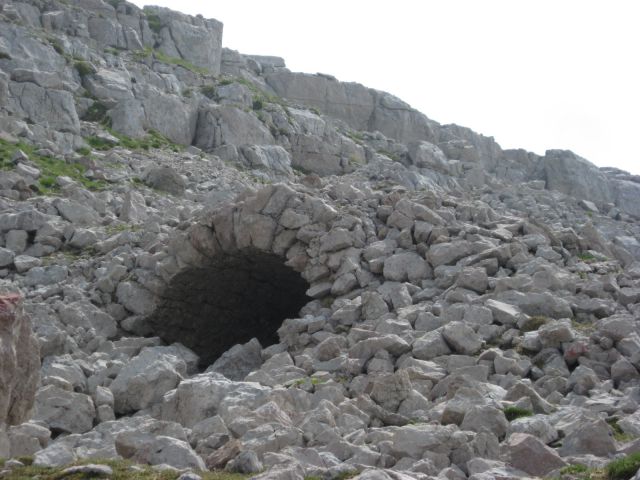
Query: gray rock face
x=568, y=173
x=226, y=125
x=19, y=364
x=625, y=195
x=196, y=40
x=52, y=108
x=360, y=107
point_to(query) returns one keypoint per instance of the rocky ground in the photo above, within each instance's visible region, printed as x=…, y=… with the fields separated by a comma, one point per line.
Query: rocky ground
x=227, y=265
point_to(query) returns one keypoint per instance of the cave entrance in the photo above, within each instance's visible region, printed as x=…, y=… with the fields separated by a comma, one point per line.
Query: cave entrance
x=229, y=301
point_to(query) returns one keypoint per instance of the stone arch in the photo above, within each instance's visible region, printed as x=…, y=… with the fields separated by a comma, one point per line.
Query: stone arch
x=242, y=270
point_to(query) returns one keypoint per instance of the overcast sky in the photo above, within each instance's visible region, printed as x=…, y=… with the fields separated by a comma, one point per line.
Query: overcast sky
x=533, y=74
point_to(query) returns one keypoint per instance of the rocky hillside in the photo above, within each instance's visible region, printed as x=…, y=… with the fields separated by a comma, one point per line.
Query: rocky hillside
x=228, y=265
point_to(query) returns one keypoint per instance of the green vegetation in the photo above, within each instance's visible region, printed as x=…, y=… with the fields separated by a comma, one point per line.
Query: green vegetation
x=260, y=98
x=582, y=327
x=618, y=433
x=573, y=470
x=347, y=474
x=122, y=469
x=57, y=46
x=84, y=151
x=258, y=103
x=619, y=469
x=5, y=56
x=152, y=140
x=355, y=160
x=534, y=323
x=387, y=153
x=84, y=68
x=121, y=227
x=623, y=468
x=155, y=24
x=50, y=168
x=208, y=91
x=113, y=51
x=97, y=112
x=513, y=413
x=313, y=380
x=149, y=52
x=587, y=257
x=357, y=137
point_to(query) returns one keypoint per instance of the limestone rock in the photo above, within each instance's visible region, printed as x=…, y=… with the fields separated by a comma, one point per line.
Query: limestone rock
x=527, y=453
x=20, y=362
x=64, y=411
x=144, y=381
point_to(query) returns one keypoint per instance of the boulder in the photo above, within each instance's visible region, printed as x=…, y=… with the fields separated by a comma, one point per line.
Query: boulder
x=158, y=450
x=165, y=179
x=461, y=338
x=240, y=360
x=589, y=438
x=527, y=453
x=64, y=411
x=145, y=379
x=406, y=266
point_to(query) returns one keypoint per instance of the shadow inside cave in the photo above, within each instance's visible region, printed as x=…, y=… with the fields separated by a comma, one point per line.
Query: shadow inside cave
x=229, y=301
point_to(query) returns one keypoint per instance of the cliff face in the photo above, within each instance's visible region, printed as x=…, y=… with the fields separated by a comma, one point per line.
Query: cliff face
x=231, y=265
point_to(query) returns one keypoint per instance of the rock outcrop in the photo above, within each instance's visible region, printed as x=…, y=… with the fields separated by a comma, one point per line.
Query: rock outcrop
x=19, y=366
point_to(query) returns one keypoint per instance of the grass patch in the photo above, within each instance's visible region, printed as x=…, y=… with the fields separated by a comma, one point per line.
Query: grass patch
x=208, y=91
x=152, y=140
x=260, y=97
x=619, y=434
x=587, y=257
x=583, y=327
x=50, y=168
x=357, y=137
x=258, y=104
x=84, y=68
x=149, y=52
x=57, y=45
x=97, y=112
x=121, y=227
x=623, y=468
x=573, y=470
x=389, y=154
x=347, y=474
x=122, y=469
x=84, y=151
x=513, y=413
x=534, y=323
x=153, y=19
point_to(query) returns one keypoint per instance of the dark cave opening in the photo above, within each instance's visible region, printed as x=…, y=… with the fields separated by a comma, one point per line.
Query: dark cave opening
x=229, y=301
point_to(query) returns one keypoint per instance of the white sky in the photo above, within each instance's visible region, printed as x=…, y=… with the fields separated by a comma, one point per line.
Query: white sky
x=536, y=74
